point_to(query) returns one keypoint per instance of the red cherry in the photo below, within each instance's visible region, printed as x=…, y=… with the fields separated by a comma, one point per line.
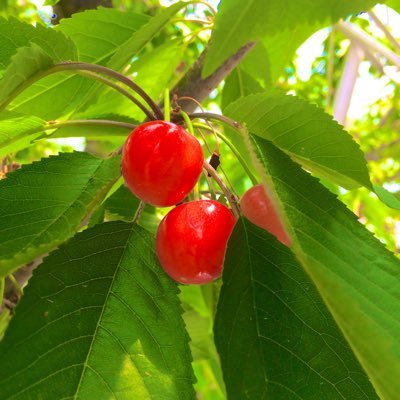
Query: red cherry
x=258, y=208
x=161, y=163
x=191, y=241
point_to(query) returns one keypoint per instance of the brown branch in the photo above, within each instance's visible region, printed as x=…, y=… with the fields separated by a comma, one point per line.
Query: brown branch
x=193, y=85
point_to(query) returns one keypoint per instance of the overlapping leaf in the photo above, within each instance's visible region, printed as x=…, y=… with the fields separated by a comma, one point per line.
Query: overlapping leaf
x=356, y=276
x=17, y=131
x=306, y=133
x=27, y=63
x=97, y=34
x=15, y=34
x=275, y=336
x=238, y=23
x=162, y=61
x=99, y=319
x=44, y=203
x=139, y=39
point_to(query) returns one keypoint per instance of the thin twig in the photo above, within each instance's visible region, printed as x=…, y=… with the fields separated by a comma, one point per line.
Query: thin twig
x=82, y=122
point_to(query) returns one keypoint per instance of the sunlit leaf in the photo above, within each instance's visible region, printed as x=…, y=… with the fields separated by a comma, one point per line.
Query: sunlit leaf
x=99, y=319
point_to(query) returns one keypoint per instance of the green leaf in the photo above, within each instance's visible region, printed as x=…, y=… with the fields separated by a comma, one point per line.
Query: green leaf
x=390, y=199
x=395, y=4
x=98, y=34
x=25, y=64
x=15, y=34
x=356, y=276
x=306, y=133
x=44, y=203
x=238, y=84
x=17, y=131
x=162, y=61
x=139, y=39
x=275, y=336
x=281, y=47
x=122, y=203
x=50, y=2
x=238, y=23
x=98, y=320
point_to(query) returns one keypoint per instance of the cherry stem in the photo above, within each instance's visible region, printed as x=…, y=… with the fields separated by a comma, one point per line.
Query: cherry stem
x=210, y=186
x=239, y=157
x=207, y=122
x=204, y=3
x=167, y=106
x=207, y=115
x=122, y=78
x=188, y=122
x=120, y=89
x=139, y=211
x=82, y=122
x=228, y=194
x=67, y=66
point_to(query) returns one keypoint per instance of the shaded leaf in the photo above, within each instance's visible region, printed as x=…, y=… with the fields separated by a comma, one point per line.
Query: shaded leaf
x=122, y=203
x=356, y=276
x=99, y=319
x=275, y=336
x=44, y=203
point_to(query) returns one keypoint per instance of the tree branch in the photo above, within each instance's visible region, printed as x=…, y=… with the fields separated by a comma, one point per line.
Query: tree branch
x=193, y=85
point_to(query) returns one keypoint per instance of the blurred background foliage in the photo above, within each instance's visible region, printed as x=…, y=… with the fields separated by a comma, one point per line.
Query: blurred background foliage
x=312, y=68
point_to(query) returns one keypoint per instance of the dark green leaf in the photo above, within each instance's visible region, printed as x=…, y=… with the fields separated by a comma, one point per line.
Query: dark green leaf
x=356, y=276
x=122, y=203
x=307, y=134
x=98, y=320
x=44, y=203
x=275, y=336
x=238, y=23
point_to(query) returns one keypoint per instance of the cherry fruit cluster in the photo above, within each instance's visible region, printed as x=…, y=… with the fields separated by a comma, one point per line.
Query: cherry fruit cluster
x=161, y=164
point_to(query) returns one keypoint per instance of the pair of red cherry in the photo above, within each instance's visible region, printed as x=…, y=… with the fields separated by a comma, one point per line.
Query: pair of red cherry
x=161, y=164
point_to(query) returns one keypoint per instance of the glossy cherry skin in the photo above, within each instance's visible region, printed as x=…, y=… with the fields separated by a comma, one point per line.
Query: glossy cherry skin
x=257, y=208
x=191, y=241
x=161, y=163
